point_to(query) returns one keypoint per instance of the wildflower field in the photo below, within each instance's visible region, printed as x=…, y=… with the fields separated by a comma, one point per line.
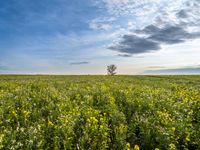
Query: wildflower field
x=100, y=112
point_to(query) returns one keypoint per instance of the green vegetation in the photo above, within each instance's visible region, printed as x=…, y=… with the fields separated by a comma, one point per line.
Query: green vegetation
x=100, y=112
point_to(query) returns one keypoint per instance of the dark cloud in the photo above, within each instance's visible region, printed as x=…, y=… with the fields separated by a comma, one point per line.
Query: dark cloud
x=151, y=29
x=132, y=44
x=124, y=55
x=173, y=35
x=153, y=39
x=170, y=35
x=174, y=71
x=79, y=63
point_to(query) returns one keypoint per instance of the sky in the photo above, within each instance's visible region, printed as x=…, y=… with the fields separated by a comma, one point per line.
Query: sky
x=84, y=36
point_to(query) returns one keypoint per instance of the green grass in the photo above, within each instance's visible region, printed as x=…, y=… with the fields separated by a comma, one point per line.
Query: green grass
x=100, y=112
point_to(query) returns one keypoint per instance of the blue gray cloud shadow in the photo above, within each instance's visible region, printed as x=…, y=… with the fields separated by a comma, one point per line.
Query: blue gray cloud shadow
x=79, y=63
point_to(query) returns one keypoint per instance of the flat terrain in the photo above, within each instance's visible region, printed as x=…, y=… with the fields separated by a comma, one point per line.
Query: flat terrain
x=100, y=112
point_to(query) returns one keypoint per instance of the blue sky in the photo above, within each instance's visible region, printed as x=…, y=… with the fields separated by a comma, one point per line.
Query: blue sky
x=84, y=36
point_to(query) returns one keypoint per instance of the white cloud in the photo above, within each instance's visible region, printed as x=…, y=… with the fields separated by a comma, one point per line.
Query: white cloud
x=146, y=12
x=102, y=23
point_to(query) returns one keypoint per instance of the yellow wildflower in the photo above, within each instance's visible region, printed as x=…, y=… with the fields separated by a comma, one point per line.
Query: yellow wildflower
x=136, y=147
x=187, y=139
x=172, y=146
x=128, y=145
x=26, y=113
x=50, y=123
x=173, y=128
x=14, y=113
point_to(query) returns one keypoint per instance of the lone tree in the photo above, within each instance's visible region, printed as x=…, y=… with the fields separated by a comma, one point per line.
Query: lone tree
x=111, y=69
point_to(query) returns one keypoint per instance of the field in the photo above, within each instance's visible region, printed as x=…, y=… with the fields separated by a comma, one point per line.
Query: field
x=100, y=112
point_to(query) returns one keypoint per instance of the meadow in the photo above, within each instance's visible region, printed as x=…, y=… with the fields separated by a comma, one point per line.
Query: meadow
x=99, y=112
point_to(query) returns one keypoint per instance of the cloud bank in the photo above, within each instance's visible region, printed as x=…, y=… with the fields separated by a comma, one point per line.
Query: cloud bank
x=157, y=23
x=153, y=38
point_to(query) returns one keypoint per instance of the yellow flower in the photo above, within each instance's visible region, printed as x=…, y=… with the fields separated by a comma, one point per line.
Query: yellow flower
x=26, y=113
x=136, y=147
x=50, y=123
x=93, y=120
x=1, y=140
x=88, y=120
x=187, y=139
x=173, y=128
x=101, y=119
x=128, y=145
x=172, y=146
x=14, y=113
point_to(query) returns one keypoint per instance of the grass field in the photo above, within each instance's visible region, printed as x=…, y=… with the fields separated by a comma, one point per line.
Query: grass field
x=100, y=112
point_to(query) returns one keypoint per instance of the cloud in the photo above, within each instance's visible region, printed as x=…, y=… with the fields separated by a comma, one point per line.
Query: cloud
x=132, y=44
x=79, y=63
x=123, y=7
x=139, y=8
x=151, y=29
x=151, y=38
x=102, y=23
x=150, y=24
x=182, y=14
x=124, y=55
x=156, y=67
x=170, y=35
x=174, y=71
